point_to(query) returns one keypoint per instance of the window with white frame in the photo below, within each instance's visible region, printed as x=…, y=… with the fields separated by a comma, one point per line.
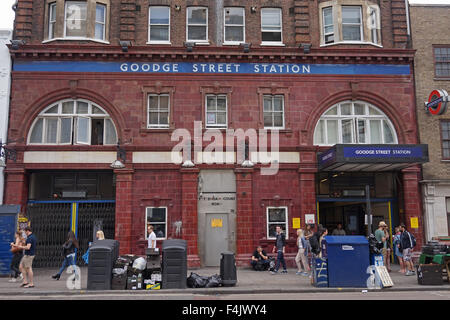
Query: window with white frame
x=75, y=19
x=277, y=217
x=156, y=217
x=159, y=24
x=234, y=25
x=216, y=111
x=345, y=21
x=73, y=122
x=100, y=21
x=352, y=23
x=271, y=26
x=328, y=25
x=158, y=110
x=354, y=122
x=51, y=20
x=273, y=112
x=197, y=24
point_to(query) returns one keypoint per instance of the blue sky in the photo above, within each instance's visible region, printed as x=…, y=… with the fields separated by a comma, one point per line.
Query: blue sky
x=6, y=14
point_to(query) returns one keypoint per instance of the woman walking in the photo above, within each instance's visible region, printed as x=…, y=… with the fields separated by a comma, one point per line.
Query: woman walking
x=69, y=254
x=300, y=259
x=17, y=256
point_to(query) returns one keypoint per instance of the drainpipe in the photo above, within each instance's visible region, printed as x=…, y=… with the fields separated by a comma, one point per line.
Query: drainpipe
x=408, y=22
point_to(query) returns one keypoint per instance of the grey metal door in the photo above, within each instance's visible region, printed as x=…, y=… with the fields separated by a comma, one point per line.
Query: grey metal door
x=216, y=238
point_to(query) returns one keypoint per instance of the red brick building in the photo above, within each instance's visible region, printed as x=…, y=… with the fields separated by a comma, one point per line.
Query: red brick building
x=91, y=74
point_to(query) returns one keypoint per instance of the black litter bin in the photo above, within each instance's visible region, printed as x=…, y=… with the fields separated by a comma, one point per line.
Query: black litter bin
x=228, y=269
x=174, y=264
x=102, y=256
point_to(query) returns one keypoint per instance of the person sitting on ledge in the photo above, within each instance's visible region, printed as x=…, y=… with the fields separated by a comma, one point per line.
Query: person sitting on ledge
x=260, y=260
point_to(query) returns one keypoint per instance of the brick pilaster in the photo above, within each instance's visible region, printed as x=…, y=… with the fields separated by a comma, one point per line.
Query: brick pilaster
x=245, y=240
x=124, y=209
x=412, y=203
x=189, y=213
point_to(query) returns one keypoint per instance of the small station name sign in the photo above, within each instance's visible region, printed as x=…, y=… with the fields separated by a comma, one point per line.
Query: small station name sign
x=348, y=157
x=437, y=102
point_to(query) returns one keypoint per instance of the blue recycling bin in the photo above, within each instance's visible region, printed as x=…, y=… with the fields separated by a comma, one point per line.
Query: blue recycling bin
x=348, y=260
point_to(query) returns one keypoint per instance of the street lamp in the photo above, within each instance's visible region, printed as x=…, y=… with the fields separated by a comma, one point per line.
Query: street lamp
x=120, y=158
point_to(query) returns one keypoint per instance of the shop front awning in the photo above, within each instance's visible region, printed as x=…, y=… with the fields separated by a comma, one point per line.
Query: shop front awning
x=372, y=157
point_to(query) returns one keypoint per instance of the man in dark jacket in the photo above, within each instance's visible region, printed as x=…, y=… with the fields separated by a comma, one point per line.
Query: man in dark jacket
x=406, y=247
x=260, y=260
x=280, y=245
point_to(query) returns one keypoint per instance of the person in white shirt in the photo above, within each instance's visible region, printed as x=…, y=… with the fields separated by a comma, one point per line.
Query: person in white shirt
x=151, y=237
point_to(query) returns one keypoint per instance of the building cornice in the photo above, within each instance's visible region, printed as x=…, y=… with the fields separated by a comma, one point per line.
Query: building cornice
x=170, y=53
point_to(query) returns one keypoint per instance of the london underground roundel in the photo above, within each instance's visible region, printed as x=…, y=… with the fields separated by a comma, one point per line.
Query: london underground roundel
x=437, y=102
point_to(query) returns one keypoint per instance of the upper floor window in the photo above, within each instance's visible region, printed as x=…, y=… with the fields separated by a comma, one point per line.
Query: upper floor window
x=197, y=24
x=234, y=25
x=271, y=26
x=273, y=111
x=77, y=20
x=73, y=122
x=216, y=111
x=159, y=24
x=158, y=110
x=351, y=23
x=344, y=21
x=328, y=25
x=442, y=62
x=354, y=122
x=100, y=21
x=445, y=134
x=51, y=20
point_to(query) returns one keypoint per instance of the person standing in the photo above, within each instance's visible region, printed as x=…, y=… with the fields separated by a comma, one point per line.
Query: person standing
x=406, y=246
x=339, y=231
x=151, y=237
x=324, y=233
x=26, y=264
x=69, y=252
x=397, y=252
x=300, y=259
x=17, y=256
x=380, y=235
x=280, y=246
x=387, y=258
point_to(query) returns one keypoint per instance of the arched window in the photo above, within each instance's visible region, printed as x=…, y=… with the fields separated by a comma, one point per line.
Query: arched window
x=73, y=122
x=354, y=122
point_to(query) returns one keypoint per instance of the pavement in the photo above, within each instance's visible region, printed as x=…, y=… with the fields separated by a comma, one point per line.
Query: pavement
x=248, y=282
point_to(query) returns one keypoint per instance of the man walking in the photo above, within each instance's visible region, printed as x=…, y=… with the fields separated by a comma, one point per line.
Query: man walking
x=26, y=265
x=280, y=245
x=407, y=244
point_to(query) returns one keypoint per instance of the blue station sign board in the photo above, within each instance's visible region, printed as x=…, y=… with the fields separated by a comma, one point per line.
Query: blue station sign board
x=211, y=68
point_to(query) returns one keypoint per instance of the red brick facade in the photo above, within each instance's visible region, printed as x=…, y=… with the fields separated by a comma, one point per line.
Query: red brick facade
x=142, y=185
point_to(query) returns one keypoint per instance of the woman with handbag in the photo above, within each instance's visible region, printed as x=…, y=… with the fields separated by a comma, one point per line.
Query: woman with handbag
x=69, y=248
x=17, y=257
